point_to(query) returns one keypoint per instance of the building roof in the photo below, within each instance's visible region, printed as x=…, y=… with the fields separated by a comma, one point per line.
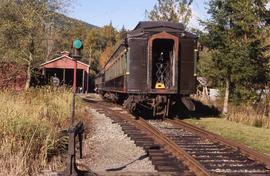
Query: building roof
x=64, y=61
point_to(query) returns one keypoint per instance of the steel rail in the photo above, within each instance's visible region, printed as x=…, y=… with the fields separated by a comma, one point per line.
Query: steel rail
x=251, y=153
x=193, y=164
x=172, y=147
x=168, y=144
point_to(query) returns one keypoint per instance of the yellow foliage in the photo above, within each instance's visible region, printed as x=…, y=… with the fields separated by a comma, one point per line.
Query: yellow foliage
x=104, y=57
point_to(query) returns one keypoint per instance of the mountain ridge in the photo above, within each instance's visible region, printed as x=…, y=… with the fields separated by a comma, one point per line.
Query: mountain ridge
x=64, y=19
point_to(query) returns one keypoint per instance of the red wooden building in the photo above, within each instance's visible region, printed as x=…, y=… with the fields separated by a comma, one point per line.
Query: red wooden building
x=63, y=67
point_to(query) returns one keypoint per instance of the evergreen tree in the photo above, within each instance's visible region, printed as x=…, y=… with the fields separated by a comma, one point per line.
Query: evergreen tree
x=234, y=35
x=123, y=33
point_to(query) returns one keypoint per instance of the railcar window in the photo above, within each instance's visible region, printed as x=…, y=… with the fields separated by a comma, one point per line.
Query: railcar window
x=127, y=61
x=117, y=67
x=113, y=74
x=122, y=64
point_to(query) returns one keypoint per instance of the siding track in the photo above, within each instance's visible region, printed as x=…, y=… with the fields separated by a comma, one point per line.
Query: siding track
x=218, y=155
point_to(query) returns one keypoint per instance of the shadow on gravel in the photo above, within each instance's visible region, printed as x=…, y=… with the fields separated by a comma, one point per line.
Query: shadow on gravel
x=89, y=100
x=79, y=173
x=123, y=167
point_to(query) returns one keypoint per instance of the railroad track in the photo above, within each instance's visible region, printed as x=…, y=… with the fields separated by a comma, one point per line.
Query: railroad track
x=179, y=148
x=218, y=155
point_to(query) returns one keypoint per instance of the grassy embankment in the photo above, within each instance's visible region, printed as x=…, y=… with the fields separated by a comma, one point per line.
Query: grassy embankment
x=244, y=123
x=29, y=128
x=257, y=138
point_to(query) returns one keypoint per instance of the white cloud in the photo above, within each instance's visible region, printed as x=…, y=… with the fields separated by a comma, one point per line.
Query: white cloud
x=199, y=12
x=194, y=21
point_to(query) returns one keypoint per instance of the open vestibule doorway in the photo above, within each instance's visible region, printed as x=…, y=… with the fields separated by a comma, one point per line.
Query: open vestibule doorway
x=162, y=61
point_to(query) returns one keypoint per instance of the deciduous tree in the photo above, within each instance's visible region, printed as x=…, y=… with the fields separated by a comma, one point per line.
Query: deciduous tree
x=105, y=55
x=171, y=10
x=24, y=31
x=99, y=44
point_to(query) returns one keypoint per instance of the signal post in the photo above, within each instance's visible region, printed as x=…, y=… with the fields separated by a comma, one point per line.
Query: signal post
x=78, y=129
x=77, y=46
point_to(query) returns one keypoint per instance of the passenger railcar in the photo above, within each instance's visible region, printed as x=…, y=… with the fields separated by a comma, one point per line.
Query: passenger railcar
x=154, y=67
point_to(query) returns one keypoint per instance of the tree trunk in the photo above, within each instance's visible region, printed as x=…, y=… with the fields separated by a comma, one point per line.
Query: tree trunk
x=28, y=74
x=266, y=108
x=226, y=97
x=49, y=39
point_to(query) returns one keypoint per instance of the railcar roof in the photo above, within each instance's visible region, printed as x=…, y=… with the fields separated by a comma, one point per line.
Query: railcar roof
x=157, y=24
x=143, y=26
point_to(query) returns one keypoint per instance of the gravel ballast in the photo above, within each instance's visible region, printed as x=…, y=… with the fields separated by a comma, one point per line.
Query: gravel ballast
x=110, y=150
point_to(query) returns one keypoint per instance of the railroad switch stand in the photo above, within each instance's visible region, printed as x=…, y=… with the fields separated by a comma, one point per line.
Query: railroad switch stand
x=71, y=167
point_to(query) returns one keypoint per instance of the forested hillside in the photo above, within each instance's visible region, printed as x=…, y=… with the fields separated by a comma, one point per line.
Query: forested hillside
x=32, y=32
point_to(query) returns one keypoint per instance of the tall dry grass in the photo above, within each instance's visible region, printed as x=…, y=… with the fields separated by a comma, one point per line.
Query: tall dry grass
x=30, y=123
x=253, y=115
x=249, y=115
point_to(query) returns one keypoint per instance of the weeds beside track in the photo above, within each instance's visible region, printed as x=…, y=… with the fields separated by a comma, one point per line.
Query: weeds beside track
x=30, y=123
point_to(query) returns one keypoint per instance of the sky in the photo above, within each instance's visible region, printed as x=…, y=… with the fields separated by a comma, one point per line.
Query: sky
x=125, y=12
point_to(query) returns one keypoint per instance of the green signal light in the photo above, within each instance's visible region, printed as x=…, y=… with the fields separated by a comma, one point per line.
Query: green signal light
x=77, y=44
